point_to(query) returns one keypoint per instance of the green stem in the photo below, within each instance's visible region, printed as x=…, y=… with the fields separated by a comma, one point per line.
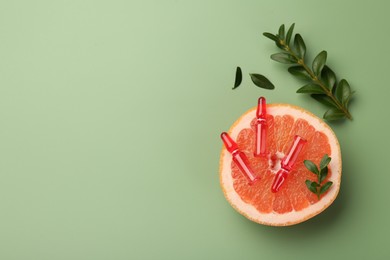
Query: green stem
x=316, y=80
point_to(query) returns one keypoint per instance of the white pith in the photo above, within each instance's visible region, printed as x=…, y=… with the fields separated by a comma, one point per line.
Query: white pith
x=276, y=163
x=293, y=217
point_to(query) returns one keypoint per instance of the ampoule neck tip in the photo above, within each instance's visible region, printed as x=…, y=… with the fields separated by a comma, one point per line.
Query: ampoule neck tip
x=254, y=181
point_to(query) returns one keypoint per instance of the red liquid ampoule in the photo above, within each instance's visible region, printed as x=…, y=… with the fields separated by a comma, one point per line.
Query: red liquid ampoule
x=239, y=158
x=288, y=162
x=261, y=128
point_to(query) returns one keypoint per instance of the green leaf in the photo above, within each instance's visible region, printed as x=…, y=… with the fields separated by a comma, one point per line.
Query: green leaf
x=349, y=98
x=289, y=33
x=280, y=46
x=319, y=63
x=325, y=161
x=312, y=186
x=315, y=186
x=271, y=36
x=299, y=72
x=284, y=57
x=238, y=79
x=328, y=77
x=281, y=32
x=324, y=99
x=343, y=91
x=261, y=81
x=299, y=46
x=334, y=114
x=311, y=166
x=323, y=174
x=311, y=88
x=325, y=187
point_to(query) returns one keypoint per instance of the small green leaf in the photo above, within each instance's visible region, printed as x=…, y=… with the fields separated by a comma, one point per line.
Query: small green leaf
x=311, y=88
x=328, y=77
x=238, y=79
x=315, y=184
x=349, y=98
x=281, y=32
x=323, y=174
x=334, y=114
x=280, y=46
x=319, y=63
x=261, y=81
x=325, y=161
x=312, y=186
x=324, y=99
x=325, y=187
x=283, y=57
x=299, y=72
x=311, y=166
x=289, y=33
x=271, y=36
x=343, y=91
x=299, y=46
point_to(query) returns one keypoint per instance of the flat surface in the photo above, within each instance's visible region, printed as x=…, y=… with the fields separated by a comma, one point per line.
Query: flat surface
x=110, y=115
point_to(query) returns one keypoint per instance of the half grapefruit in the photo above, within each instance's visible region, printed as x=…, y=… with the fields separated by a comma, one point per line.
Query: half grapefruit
x=293, y=203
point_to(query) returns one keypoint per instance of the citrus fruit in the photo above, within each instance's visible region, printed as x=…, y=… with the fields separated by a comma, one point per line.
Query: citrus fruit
x=294, y=202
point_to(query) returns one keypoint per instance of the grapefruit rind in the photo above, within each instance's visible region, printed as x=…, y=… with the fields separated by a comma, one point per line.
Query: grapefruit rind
x=293, y=217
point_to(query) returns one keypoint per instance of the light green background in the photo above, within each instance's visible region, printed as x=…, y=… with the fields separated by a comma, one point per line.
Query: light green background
x=110, y=115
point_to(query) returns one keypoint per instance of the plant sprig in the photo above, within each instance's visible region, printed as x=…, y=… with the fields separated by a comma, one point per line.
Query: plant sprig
x=321, y=173
x=322, y=83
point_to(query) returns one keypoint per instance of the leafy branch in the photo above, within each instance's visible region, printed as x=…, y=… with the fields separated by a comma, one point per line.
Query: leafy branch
x=322, y=83
x=321, y=173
